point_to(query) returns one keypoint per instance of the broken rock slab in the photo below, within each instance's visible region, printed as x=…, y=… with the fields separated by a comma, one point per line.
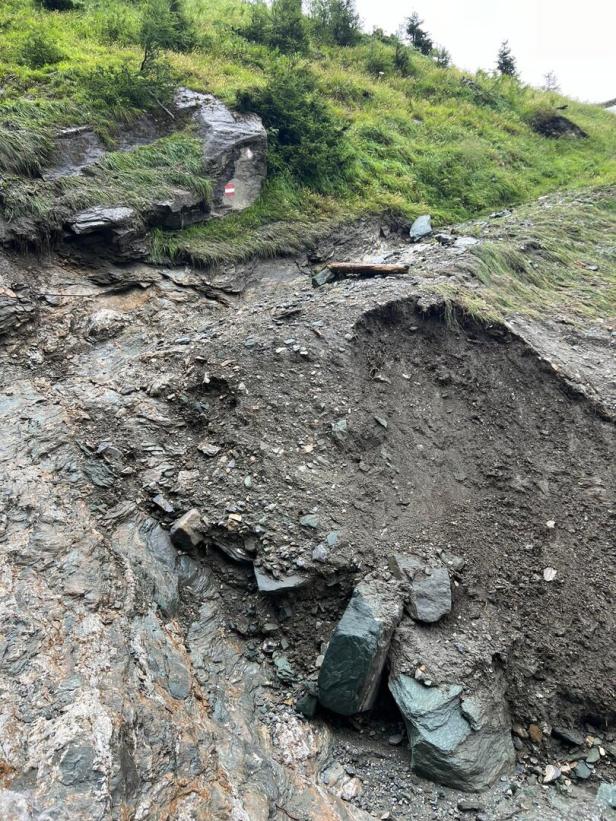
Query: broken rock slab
x=268, y=584
x=430, y=595
x=456, y=740
x=351, y=671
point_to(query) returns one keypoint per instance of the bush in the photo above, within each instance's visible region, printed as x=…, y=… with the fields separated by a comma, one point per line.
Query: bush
x=38, y=50
x=379, y=60
x=307, y=140
x=283, y=27
x=123, y=88
x=164, y=26
x=57, y=5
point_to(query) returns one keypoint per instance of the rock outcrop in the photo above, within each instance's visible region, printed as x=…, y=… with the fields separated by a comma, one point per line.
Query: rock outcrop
x=234, y=150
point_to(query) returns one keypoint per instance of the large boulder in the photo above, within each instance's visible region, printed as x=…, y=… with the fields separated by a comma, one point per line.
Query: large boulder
x=351, y=671
x=234, y=149
x=451, y=693
x=456, y=740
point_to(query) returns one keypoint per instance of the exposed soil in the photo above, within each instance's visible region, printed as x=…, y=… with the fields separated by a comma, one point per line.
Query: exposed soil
x=461, y=441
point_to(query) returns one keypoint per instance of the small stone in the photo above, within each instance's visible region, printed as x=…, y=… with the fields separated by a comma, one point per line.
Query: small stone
x=186, y=532
x=163, y=503
x=351, y=789
x=520, y=731
x=430, y=595
x=320, y=553
x=340, y=429
x=268, y=584
x=381, y=421
x=551, y=773
x=593, y=756
x=248, y=482
x=395, y=740
x=572, y=737
x=582, y=770
x=470, y=805
x=549, y=574
x=309, y=520
x=207, y=449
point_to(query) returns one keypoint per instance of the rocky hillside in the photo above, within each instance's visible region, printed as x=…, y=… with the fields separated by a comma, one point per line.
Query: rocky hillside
x=308, y=486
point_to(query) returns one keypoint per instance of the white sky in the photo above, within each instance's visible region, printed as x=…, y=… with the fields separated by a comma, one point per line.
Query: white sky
x=576, y=40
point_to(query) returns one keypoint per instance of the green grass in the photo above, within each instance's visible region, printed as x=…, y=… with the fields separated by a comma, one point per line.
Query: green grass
x=135, y=179
x=434, y=141
x=552, y=258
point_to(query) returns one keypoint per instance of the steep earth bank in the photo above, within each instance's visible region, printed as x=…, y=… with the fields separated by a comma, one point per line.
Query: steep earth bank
x=328, y=439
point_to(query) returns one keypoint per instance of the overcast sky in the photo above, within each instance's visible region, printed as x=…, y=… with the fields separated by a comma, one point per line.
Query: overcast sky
x=576, y=40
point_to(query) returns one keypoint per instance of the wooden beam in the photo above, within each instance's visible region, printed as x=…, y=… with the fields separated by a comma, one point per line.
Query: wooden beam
x=367, y=268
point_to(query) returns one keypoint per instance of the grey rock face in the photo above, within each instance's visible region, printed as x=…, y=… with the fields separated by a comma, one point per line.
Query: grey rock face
x=352, y=667
x=234, y=149
x=15, y=310
x=430, y=595
x=422, y=227
x=457, y=741
x=606, y=794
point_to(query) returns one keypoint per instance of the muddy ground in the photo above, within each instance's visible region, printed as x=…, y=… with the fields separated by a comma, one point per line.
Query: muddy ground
x=136, y=391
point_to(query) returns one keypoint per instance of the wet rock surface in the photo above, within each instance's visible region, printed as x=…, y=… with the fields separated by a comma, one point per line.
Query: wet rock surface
x=351, y=670
x=147, y=676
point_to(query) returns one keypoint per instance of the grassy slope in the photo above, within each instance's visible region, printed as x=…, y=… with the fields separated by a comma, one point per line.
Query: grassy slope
x=554, y=257
x=426, y=142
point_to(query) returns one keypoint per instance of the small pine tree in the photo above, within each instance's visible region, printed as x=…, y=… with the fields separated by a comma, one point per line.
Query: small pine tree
x=335, y=21
x=442, y=57
x=418, y=37
x=163, y=26
x=288, y=27
x=505, y=64
x=550, y=82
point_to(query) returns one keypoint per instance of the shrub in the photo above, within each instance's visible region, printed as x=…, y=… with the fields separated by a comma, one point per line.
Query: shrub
x=379, y=59
x=307, y=140
x=57, y=5
x=123, y=88
x=38, y=50
x=288, y=32
x=164, y=26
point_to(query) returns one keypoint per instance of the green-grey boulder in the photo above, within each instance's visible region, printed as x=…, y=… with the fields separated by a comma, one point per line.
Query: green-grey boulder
x=351, y=670
x=456, y=740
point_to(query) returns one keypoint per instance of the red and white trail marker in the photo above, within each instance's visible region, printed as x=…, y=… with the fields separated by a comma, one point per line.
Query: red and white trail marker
x=230, y=189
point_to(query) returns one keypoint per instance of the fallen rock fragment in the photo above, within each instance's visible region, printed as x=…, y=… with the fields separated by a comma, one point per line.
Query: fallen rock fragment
x=352, y=667
x=15, y=310
x=430, y=595
x=572, y=737
x=455, y=740
x=422, y=227
x=187, y=531
x=268, y=584
x=551, y=773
